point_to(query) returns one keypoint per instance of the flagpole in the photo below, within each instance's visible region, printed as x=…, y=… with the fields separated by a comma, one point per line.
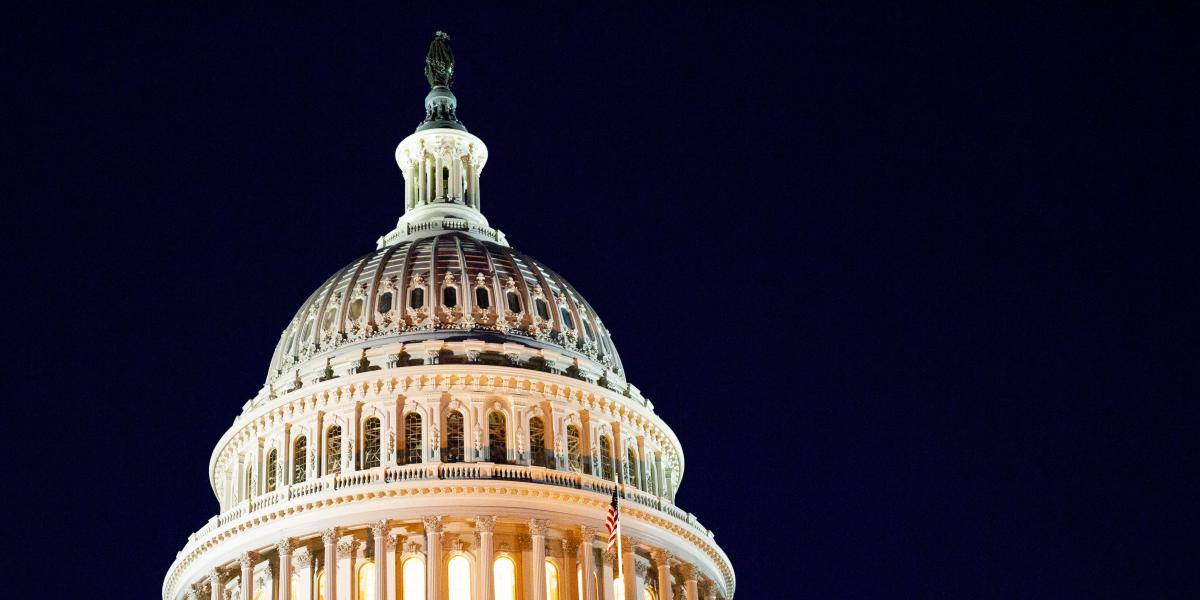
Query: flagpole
x=620, y=567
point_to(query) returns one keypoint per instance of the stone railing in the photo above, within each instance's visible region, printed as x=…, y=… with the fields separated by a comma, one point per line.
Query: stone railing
x=446, y=471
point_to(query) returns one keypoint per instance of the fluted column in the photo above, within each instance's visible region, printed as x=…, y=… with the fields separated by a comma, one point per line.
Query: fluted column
x=379, y=530
x=302, y=566
x=330, y=538
x=629, y=568
x=214, y=585
x=433, y=558
x=486, y=525
x=284, y=547
x=537, y=536
x=586, y=536
x=247, y=562
x=609, y=557
x=662, y=559
x=689, y=581
x=393, y=573
x=567, y=582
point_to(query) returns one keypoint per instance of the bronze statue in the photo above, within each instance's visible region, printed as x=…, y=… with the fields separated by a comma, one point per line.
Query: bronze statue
x=439, y=63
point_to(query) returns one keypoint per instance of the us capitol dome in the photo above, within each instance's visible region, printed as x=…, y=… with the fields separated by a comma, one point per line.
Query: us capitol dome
x=447, y=418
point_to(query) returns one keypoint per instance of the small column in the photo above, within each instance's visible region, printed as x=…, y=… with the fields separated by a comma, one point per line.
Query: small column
x=330, y=537
x=380, y=530
x=586, y=536
x=433, y=557
x=567, y=582
x=284, y=547
x=606, y=574
x=662, y=559
x=486, y=525
x=689, y=581
x=247, y=562
x=537, y=536
x=629, y=566
x=214, y=585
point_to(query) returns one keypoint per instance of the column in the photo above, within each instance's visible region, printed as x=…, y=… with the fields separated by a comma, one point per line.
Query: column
x=658, y=476
x=486, y=525
x=586, y=535
x=345, y=567
x=641, y=466
x=537, y=536
x=302, y=565
x=642, y=568
x=439, y=189
x=247, y=562
x=284, y=547
x=330, y=538
x=689, y=581
x=606, y=575
x=433, y=557
x=392, y=569
x=662, y=559
x=380, y=531
x=566, y=576
x=629, y=567
x=214, y=585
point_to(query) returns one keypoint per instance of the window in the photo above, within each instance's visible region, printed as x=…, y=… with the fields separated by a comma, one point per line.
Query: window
x=454, y=437
x=648, y=594
x=385, y=302
x=567, y=321
x=446, y=181
x=450, y=296
x=366, y=581
x=482, y=298
x=413, y=440
x=294, y=586
x=514, y=301
x=246, y=491
x=588, y=330
x=371, y=443
x=327, y=322
x=272, y=464
x=537, y=442
x=543, y=311
x=573, y=454
x=618, y=590
x=414, y=579
x=631, y=468
x=459, y=580
x=416, y=298
x=356, y=309
x=651, y=478
x=551, y=581
x=321, y=584
x=504, y=576
x=333, y=449
x=579, y=580
x=299, y=459
x=307, y=330
x=606, y=466
x=497, y=437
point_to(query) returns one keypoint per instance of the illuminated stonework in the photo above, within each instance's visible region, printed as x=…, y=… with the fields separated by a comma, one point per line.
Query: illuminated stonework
x=446, y=418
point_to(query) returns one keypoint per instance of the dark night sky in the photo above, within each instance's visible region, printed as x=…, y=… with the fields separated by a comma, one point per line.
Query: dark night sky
x=903, y=283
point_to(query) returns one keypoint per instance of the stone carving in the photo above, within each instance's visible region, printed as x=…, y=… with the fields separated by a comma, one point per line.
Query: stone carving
x=433, y=524
x=246, y=560
x=301, y=558
x=329, y=536
x=345, y=547
x=284, y=546
x=379, y=529
x=538, y=527
x=485, y=523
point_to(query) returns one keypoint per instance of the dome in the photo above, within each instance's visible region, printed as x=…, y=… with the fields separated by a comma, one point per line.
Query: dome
x=446, y=286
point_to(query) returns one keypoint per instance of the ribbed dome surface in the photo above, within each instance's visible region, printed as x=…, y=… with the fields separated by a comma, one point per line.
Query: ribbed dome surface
x=444, y=286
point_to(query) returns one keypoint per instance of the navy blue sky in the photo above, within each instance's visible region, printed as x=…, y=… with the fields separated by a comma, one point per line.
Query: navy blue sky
x=884, y=272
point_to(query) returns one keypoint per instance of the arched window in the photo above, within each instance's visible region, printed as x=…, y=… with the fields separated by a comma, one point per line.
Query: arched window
x=333, y=449
x=299, y=459
x=567, y=320
x=414, y=579
x=631, y=468
x=371, y=443
x=247, y=492
x=504, y=577
x=385, y=303
x=606, y=458
x=537, y=442
x=413, y=440
x=551, y=581
x=454, y=436
x=449, y=296
x=651, y=478
x=459, y=578
x=648, y=594
x=416, y=298
x=573, y=451
x=482, y=298
x=579, y=580
x=327, y=322
x=514, y=301
x=366, y=581
x=308, y=325
x=272, y=465
x=543, y=310
x=356, y=307
x=587, y=329
x=261, y=594
x=497, y=437
x=321, y=584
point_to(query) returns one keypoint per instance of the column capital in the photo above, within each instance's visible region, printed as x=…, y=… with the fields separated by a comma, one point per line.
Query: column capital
x=246, y=559
x=587, y=534
x=329, y=536
x=284, y=547
x=345, y=547
x=609, y=557
x=485, y=523
x=538, y=527
x=687, y=570
x=629, y=542
x=569, y=546
x=214, y=577
x=641, y=568
x=379, y=528
x=662, y=557
x=301, y=558
x=392, y=541
x=433, y=524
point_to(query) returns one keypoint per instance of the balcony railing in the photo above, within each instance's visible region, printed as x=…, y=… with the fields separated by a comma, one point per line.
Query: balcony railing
x=446, y=471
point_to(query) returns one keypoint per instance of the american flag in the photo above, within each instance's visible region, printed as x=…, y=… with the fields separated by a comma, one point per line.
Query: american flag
x=612, y=522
